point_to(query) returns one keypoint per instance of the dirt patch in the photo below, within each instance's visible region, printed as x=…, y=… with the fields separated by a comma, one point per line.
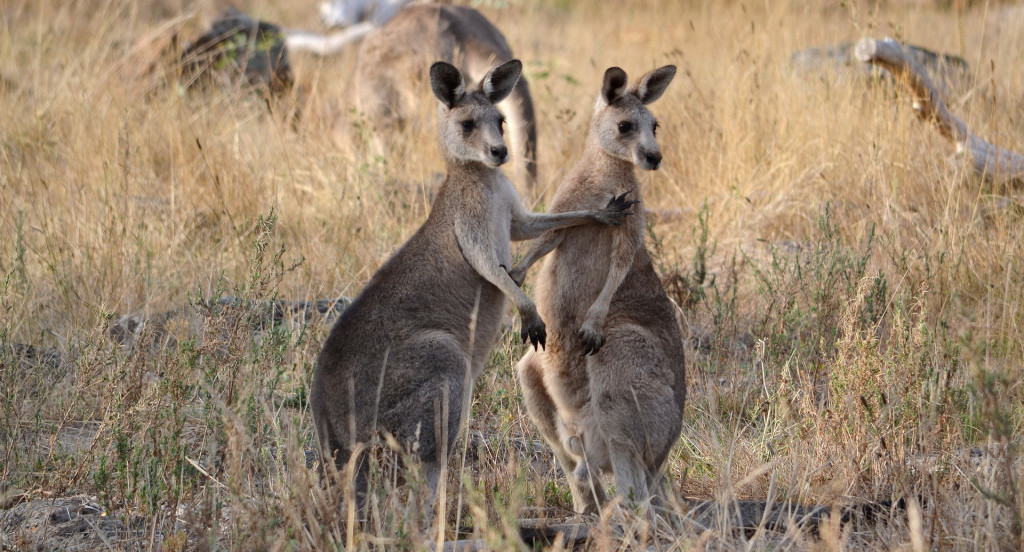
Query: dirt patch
x=75, y=523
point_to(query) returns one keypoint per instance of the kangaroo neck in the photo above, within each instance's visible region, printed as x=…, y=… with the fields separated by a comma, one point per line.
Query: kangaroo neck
x=470, y=172
x=597, y=162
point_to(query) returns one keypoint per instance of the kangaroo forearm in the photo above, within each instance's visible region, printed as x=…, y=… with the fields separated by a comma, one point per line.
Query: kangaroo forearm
x=538, y=248
x=486, y=265
x=536, y=224
x=623, y=251
x=616, y=274
x=508, y=287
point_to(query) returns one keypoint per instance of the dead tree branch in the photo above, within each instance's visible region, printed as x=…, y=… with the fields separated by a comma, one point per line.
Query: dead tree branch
x=987, y=160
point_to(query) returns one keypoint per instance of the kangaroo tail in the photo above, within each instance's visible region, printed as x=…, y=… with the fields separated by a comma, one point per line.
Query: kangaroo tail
x=325, y=45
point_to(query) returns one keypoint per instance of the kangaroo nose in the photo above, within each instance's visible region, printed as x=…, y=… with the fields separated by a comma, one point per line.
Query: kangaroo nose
x=654, y=159
x=499, y=152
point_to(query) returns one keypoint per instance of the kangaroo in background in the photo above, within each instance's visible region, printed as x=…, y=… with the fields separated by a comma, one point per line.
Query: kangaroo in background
x=390, y=57
x=403, y=356
x=608, y=392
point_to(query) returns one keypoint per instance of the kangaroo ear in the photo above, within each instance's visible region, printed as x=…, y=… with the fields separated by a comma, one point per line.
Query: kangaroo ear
x=614, y=85
x=447, y=84
x=651, y=86
x=498, y=82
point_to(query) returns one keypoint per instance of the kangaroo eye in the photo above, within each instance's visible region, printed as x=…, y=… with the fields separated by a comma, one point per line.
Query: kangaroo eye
x=625, y=127
x=468, y=125
x=654, y=129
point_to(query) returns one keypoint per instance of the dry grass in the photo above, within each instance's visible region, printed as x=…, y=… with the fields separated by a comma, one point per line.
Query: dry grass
x=854, y=301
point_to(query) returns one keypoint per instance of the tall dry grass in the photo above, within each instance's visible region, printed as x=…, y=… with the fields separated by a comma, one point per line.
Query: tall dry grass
x=854, y=302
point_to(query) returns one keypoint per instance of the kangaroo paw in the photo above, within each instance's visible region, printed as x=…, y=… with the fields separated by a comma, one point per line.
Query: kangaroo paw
x=534, y=331
x=518, y=274
x=592, y=338
x=616, y=210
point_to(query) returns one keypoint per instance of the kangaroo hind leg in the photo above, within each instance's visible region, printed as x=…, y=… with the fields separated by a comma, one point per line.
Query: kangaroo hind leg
x=586, y=489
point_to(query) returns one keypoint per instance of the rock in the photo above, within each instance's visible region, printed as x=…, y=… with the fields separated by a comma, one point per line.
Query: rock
x=74, y=524
x=237, y=47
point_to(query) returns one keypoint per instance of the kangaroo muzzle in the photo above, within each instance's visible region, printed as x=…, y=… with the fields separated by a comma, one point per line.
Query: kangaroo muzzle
x=498, y=155
x=649, y=160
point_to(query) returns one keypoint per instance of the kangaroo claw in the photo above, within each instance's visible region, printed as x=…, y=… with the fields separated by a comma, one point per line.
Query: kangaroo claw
x=534, y=331
x=620, y=204
x=617, y=208
x=517, y=274
x=592, y=341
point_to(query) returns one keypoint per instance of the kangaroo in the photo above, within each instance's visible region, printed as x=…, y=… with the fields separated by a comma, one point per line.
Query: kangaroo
x=608, y=392
x=386, y=87
x=403, y=356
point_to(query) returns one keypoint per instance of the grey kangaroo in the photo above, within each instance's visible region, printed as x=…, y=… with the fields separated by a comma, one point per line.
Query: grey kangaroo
x=403, y=356
x=608, y=392
x=388, y=69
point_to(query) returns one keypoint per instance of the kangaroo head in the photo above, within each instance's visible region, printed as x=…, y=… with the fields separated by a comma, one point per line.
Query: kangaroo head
x=471, y=128
x=622, y=125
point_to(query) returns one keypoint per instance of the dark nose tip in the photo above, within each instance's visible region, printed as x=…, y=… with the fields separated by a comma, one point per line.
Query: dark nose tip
x=654, y=159
x=499, y=152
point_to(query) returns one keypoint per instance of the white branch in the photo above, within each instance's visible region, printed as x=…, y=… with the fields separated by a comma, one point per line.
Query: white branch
x=987, y=160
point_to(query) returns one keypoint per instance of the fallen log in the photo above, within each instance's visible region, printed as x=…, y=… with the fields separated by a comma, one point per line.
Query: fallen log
x=750, y=516
x=987, y=160
x=947, y=71
x=742, y=516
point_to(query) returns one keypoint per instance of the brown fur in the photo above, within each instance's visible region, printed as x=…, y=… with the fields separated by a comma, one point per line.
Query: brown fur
x=608, y=392
x=391, y=58
x=421, y=330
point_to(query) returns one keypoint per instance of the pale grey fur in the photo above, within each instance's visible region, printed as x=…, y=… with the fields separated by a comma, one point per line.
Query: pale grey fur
x=403, y=356
x=391, y=63
x=608, y=392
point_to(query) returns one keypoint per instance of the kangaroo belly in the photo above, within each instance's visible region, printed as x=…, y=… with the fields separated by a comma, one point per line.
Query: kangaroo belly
x=572, y=277
x=565, y=378
x=422, y=290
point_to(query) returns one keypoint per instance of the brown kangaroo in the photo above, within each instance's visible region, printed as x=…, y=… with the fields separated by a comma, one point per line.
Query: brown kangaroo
x=403, y=356
x=390, y=58
x=608, y=392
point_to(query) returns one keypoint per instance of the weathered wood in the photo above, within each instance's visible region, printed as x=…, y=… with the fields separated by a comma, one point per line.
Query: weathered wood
x=326, y=44
x=745, y=516
x=948, y=72
x=751, y=515
x=547, y=532
x=535, y=533
x=987, y=160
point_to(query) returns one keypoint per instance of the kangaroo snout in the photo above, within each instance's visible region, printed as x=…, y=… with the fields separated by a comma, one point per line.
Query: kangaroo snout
x=499, y=154
x=650, y=160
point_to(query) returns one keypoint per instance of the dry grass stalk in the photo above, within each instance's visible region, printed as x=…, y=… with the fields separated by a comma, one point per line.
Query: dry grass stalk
x=108, y=206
